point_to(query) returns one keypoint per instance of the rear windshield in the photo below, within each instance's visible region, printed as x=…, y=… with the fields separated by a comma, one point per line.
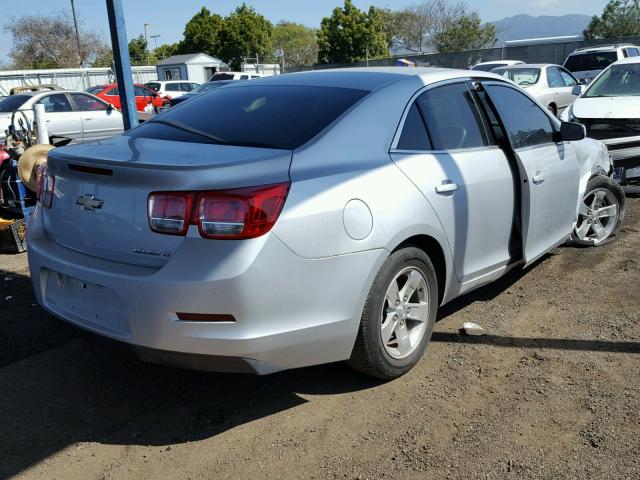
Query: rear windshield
x=12, y=102
x=520, y=76
x=618, y=81
x=94, y=90
x=221, y=76
x=269, y=116
x=487, y=67
x=583, y=62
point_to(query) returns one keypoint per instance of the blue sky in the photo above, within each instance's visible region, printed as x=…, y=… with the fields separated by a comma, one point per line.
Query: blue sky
x=168, y=17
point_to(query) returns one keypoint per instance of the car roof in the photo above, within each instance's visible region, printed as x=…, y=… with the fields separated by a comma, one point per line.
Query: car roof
x=532, y=65
x=601, y=48
x=365, y=78
x=46, y=92
x=622, y=61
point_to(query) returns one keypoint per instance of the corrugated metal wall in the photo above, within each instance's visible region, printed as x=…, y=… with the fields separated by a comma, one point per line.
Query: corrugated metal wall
x=69, y=78
x=538, y=53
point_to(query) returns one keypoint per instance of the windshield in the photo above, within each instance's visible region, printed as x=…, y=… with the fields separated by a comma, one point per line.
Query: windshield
x=520, y=76
x=617, y=81
x=13, y=103
x=266, y=116
x=583, y=62
x=205, y=87
x=487, y=67
x=221, y=76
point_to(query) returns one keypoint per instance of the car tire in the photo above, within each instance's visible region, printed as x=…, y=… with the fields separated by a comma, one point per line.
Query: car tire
x=377, y=354
x=601, y=213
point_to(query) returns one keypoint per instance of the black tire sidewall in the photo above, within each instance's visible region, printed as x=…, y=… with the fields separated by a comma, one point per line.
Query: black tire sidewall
x=385, y=364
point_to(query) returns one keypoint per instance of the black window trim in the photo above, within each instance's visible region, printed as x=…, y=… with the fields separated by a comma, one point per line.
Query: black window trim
x=480, y=116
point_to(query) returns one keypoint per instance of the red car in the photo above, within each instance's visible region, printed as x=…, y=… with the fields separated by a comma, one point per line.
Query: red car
x=144, y=96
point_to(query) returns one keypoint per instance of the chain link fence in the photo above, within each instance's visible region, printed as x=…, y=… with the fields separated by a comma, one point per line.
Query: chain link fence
x=533, y=53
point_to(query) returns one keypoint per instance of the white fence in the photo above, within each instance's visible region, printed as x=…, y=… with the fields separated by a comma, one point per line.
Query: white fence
x=70, y=78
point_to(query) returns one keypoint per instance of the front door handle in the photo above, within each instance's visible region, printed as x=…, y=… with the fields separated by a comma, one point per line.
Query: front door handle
x=538, y=178
x=447, y=187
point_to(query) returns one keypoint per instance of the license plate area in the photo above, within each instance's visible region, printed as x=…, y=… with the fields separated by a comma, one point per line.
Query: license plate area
x=86, y=303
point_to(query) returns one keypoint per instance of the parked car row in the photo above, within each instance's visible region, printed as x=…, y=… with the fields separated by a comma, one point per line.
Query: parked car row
x=325, y=216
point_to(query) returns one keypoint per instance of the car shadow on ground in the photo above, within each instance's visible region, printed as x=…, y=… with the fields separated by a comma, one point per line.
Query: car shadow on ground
x=57, y=388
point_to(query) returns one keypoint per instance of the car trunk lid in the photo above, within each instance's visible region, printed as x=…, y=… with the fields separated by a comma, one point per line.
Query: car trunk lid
x=101, y=190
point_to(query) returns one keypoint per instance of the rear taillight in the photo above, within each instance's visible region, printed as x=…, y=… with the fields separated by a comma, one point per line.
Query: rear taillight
x=220, y=214
x=45, y=184
x=169, y=212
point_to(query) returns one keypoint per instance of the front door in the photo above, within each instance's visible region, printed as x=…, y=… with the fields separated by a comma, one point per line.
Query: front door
x=549, y=170
x=98, y=120
x=445, y=149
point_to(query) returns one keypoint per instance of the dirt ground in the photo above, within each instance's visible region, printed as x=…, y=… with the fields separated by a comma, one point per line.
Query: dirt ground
x=552, y=392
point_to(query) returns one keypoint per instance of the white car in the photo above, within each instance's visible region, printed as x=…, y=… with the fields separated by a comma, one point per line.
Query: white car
x=551, y=85
x=172, y=88
x=586, y=63
x=488, y=66
x=610, y=110
x=234, y=76
x=78, y=116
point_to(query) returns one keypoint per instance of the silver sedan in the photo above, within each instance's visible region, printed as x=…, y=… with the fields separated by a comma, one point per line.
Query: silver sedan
x=551, y=85
x=325, y=216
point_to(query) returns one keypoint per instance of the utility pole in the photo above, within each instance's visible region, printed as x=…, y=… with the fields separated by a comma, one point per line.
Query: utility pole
x=146, y=42
x=155, y=39
x=75, y=24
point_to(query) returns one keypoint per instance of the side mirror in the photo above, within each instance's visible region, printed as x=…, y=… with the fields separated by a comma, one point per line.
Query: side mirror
x=572, y=132
x=110, y=108
x=577, y=90
x=583, y=81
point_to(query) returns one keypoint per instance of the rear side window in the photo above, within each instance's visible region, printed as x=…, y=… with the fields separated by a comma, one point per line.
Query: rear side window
x=267, y=116
x=414, y=133
x=173, y=87
x=525, y=122
x=452, y=119
x=632, y=52
x=55, y=103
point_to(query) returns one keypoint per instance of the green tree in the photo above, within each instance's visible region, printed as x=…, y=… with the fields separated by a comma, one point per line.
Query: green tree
x=201, y=33
x=390, y=24
x=104, y=58
x=166, y=50
x=465, y=33
x=245, y=33
x=350, y=35
x=138, y=51
x=620, y=18
x=298, y=43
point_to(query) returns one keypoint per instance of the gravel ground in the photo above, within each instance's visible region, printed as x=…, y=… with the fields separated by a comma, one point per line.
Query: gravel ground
x=551, y=392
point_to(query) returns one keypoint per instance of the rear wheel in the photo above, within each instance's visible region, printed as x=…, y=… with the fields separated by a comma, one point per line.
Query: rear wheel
x=398, y=316
x=601, y=212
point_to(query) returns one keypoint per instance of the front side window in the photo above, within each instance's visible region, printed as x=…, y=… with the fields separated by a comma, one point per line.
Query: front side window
x=58, y=103
x=141, y=91
x=632, y=52
x=526, y=123
x=258, y=116
x=452, y=119
x=85, y=103
x=568, y=79
x=618, y=81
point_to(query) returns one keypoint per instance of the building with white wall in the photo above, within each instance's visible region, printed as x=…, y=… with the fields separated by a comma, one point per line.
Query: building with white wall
x=195, y=67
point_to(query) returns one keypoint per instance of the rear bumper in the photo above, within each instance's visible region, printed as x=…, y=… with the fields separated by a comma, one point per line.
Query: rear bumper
x=289, y=312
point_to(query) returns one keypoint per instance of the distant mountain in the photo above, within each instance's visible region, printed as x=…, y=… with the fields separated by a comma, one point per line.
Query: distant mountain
x=525, y=26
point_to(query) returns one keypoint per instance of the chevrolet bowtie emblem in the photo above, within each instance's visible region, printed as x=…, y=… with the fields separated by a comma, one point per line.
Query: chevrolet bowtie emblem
x=89, y=202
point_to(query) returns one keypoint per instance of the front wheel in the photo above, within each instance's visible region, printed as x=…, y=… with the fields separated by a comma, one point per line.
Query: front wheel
x=601, y=213
x=398, y=316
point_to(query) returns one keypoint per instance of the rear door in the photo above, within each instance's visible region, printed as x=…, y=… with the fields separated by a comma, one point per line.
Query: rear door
x=61, y=119
x=445, y=149
x=549, y=170
x=98, y=120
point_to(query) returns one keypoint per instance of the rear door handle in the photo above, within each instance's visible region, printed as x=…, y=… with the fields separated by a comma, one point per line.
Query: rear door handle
x=447, y=187
x=538, y=178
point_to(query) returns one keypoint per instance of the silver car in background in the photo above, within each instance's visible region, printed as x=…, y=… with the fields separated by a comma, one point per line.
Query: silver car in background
x=551, y=85
x=324, y=217
x=78, y=116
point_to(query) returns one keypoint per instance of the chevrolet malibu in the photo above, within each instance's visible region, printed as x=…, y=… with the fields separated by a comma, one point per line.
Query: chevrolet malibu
x=324, y=217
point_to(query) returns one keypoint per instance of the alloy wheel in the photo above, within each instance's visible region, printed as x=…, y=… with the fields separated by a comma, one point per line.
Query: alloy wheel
x=598, y=216
x=404, y=313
